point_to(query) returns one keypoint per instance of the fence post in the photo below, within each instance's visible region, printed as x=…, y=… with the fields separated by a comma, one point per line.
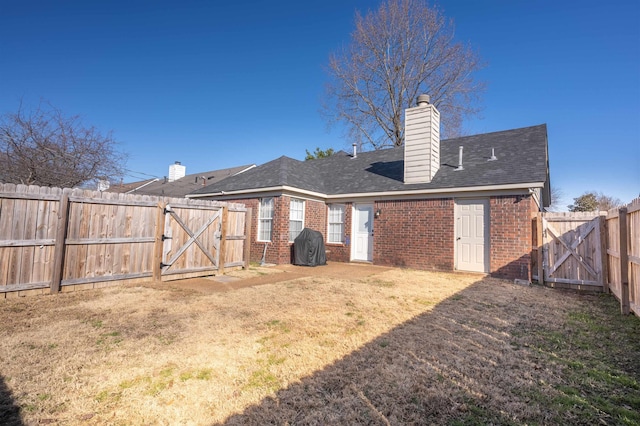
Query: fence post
x=604, y=243
x=223, y=238
x=157, y=245
x=539, y=236
x=60, y=246
x=624, y=262
x=248, y=217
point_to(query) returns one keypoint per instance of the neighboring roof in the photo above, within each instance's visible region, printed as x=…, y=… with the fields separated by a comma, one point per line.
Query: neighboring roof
x=123, y=188
x=179, y=187
x=522, y=158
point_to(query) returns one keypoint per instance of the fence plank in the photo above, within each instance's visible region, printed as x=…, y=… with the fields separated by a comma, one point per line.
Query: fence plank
x=603, y=253
x=222, y=253
x=156, y=263
x=624, y=262
x=61, y=235
x=247, y=242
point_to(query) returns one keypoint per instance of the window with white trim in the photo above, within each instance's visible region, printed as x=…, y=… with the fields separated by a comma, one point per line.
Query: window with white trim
x=265, y=219
x=296, y=218
x=335, y=231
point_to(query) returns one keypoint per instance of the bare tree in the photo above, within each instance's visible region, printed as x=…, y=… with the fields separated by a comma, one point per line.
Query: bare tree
x=398, y=52
x=44, y=147
x=557, y=199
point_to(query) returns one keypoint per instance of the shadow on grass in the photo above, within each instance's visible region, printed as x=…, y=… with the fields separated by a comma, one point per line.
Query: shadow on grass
x=470, y=360
x=9, y=412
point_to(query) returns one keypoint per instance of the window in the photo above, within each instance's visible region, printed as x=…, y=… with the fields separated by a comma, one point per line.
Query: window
x=296, y=218
x=335, y=232
x=265, y=219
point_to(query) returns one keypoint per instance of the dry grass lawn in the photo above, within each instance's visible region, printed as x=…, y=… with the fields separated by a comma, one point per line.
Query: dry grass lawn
x=397, y=347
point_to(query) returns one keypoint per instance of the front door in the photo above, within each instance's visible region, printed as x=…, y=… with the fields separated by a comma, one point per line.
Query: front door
x=362, y=248
x=472, y=233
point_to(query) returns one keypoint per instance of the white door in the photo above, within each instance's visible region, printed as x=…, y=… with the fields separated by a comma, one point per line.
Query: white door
x=472, y=235
x=362, y=248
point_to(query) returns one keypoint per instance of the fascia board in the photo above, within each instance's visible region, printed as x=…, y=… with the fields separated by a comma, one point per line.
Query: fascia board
x=420, y=193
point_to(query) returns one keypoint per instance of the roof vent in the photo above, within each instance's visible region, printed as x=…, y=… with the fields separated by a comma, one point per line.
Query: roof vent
x=423, y=100
x=355, y=150
x=460, y=160
x=493, y=155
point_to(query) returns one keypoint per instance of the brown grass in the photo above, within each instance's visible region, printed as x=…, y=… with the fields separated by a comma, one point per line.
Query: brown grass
x=398, y=347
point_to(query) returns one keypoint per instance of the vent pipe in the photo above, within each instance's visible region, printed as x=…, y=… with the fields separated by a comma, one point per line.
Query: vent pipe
x=355, y=150
x=493, y=155
x=460, y=159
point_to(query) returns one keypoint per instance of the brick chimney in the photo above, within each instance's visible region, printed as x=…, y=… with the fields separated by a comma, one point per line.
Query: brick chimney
x=421, y=142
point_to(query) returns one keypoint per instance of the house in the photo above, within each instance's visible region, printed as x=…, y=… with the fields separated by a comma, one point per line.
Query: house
x=461, y=204
x=178, y=184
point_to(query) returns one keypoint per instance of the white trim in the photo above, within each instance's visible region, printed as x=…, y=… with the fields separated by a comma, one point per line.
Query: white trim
x=260, y=219
x=487, y=232
x=304, y=208
x=343, y=208
x=373, y=195
x=354, y=225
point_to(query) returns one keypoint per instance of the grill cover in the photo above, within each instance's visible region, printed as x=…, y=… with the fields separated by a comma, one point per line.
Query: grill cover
x=308, y=249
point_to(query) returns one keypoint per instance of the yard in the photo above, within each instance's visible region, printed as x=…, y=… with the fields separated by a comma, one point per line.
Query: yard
x=364, y=345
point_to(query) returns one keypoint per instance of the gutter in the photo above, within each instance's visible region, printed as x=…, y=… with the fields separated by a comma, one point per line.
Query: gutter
x=382, y=194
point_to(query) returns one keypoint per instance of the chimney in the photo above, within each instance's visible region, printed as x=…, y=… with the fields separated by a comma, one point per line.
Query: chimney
x=421, y=142
x=176, y=171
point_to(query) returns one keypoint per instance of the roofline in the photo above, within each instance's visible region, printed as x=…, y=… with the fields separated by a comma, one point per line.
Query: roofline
x=286, y=188
x=143, y=185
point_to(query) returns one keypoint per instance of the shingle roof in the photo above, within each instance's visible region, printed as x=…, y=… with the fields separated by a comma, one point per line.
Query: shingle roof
x=521, y=153
x=183, y=186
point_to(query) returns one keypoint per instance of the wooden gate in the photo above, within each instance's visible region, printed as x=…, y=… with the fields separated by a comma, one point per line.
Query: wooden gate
x=572, y=249
x=191, y=239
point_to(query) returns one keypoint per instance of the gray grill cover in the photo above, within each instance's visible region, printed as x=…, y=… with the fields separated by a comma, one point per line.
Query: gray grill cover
x=308, y=249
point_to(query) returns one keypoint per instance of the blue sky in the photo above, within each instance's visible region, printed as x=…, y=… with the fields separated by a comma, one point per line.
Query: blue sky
x=217, y=84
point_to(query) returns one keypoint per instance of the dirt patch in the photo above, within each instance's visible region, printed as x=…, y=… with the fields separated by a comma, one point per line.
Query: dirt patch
x=355, y=346
x=260, y=275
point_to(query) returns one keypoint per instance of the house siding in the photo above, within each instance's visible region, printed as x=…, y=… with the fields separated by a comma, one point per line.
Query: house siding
x=415, y=234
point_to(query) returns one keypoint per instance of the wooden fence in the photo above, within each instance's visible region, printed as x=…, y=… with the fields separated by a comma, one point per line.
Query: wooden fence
x=60, y=240
x=590, y=251
x=623, y=255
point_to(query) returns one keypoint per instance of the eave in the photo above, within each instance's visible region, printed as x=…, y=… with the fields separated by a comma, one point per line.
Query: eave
x=403, y=194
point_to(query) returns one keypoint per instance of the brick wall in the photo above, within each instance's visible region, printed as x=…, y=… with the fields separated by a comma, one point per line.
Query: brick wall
x=342, y=252
x=279, y=249
x=510, y=236
x=414, y=234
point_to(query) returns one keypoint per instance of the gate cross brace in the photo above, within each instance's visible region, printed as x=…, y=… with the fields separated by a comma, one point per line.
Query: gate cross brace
x=571, y=249
x=193, y=239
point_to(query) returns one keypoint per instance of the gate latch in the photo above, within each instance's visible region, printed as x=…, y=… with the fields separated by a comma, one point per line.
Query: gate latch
x=164, y=237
